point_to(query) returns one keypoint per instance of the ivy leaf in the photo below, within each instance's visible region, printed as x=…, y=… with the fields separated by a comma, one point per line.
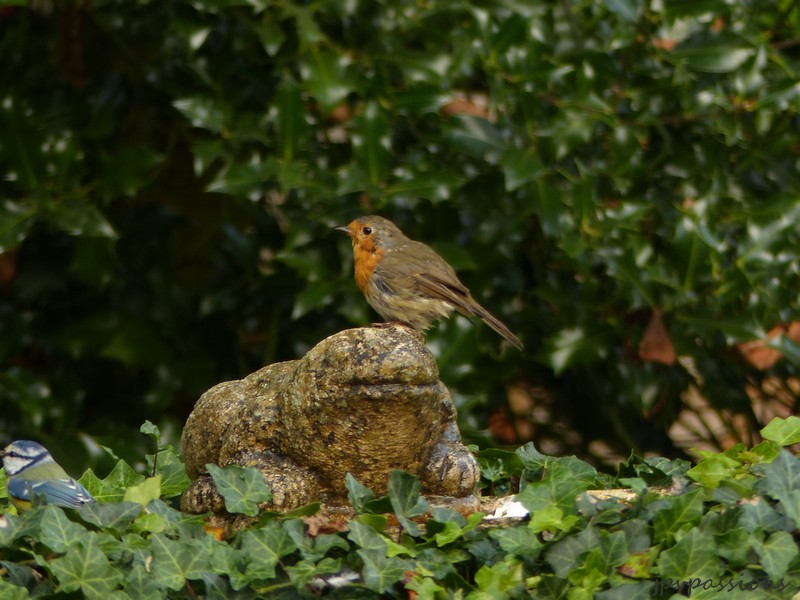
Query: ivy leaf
x=140, y=583
x=265, y=547
x=530, y=457
x=143, y=493
x=57, y=532
x=304, y=571
x=565, y=554
x=13, y=527
x=713, y=469
x=425, y=587
x=16, y=581
x=501, y=578
x=552, y=519
x=783, y=431
x=167, y=464
x=789, y=502
x=152, y=431
x=564, y=479
x=761, y=516
x=613, y=550
x=174, y=479
x=357, y=494
x=175, y=518
x=114, y=517
x=112, y=488
x=175, y=561
x=678, y=513
x=776, y=553
x=365, y=537
x=519, y=541
x=763, y=452
x=453, y=530
x=380, y=572
x=313, y=549
x=404, y=494
x=694, y=555
x=87, y=569
x=782, y=474
x=242, y=488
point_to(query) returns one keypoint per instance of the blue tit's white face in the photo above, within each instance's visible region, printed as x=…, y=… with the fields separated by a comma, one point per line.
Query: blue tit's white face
x=24, y=454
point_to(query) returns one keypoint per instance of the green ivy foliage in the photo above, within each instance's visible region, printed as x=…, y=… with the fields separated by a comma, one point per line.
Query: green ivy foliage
x=726, y=524
x=171, y=172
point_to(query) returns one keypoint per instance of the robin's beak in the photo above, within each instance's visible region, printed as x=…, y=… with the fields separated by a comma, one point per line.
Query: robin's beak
x=344, y=229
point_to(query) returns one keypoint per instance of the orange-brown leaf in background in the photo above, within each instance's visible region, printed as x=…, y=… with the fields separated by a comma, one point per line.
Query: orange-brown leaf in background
x=759, y=355
x=656, y=345
x=664, y=43
x=501, y=426
x=341, y=113
x=8, y=266
x=466, y=106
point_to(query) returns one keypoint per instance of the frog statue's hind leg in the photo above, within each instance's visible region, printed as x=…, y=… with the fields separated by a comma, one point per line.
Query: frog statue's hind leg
x=451, y=469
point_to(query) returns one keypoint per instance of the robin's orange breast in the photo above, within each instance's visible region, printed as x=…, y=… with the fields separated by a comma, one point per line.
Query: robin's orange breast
x=366, y=261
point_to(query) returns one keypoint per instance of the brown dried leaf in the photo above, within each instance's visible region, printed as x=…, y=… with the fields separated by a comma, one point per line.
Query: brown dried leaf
x=664, y=43
x=759, y=355
x=656, y=345
x=466, y=106
x=320, y=523
x=8, y=266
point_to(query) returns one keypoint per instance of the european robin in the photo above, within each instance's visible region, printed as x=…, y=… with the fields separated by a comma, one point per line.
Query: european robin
x=407, y=281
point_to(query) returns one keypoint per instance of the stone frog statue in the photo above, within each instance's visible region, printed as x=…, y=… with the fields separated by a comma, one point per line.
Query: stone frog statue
x=363, y=401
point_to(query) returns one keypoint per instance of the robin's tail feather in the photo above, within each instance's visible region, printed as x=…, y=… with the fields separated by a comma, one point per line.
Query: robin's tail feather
x=495, y=323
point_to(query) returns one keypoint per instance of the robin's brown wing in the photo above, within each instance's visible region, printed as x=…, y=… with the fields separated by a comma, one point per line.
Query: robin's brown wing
x=430, y=274
x=415, y=265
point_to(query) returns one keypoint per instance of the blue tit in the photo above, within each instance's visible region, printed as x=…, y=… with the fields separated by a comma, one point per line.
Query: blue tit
x=31, y=471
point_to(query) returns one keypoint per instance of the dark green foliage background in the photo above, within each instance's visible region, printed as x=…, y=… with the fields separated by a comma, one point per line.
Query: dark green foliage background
x=172, y=171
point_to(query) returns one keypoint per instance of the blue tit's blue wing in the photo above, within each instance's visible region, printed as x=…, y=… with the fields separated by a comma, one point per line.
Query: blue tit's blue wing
x=64, y=492
x=19, y=489
x=60, y=492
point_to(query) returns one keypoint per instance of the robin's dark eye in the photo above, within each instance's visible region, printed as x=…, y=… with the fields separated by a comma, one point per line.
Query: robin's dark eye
x=366, y=230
